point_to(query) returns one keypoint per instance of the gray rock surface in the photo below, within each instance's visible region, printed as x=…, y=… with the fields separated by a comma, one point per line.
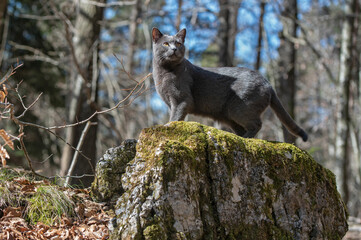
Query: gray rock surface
x=189, y=181
x=109, y=170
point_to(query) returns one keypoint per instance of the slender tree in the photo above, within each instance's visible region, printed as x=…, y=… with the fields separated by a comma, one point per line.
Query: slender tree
x=347, y=74
x=288, y=61
x=83, y=87
x=179, y=15
x=227, y=31
x=134, y=18
x=262, y=5
x=3, y=28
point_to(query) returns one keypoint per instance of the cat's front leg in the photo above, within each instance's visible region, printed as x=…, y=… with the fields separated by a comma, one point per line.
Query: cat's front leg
x=178, y=112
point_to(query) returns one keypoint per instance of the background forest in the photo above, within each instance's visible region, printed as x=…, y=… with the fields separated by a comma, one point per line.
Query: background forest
x=80, y=57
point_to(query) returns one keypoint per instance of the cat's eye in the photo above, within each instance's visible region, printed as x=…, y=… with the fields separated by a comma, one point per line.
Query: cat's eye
x=166, y=44
x=178, y=44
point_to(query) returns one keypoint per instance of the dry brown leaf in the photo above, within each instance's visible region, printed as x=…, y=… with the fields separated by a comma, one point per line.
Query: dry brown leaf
x=28, y=189
x=3, y=155
x=22, y=228
x=22, y=181
x=2, y=96
x=66, y=221
x=7, y=138
x=10, y=236
x=90, y=212
x=5, y=89
x=11, y=212
x=42, y=226
x=80, y=210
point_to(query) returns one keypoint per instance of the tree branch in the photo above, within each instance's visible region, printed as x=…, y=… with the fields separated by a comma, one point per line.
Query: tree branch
x=75, y=156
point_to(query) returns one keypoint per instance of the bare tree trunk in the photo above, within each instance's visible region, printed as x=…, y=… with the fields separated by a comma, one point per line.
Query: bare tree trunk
x=4, y=21
x=136, y=11
x=347, y=74
x=147, y=68
x=287, y=63
x=179, y=15
x=260, y=34
x=227, y=31
x=85, y=47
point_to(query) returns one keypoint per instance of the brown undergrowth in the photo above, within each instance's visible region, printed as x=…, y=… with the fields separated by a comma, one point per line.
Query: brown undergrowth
x=36, y=209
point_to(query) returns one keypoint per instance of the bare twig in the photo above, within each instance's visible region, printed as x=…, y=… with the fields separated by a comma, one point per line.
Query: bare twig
x=306, y=41
x=11, y=72
x=22, y=102
x=73, y=55
x=135, y=90
x=39, y=18
x=318, y=55
x=62, y=16
x=23, y=148
x=123, y=69
x=118, y=3
x=38, y=55
x=9, y=113
x=75, y=156
x=80, y=176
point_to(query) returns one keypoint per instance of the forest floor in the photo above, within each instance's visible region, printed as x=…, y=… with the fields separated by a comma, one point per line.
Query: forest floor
x=37, y=209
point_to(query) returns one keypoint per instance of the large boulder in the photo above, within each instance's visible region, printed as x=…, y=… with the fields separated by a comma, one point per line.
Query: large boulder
x=190, y=181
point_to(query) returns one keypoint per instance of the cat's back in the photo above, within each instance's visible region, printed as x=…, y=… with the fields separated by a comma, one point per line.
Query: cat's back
x=237, y=72
x=245, y=82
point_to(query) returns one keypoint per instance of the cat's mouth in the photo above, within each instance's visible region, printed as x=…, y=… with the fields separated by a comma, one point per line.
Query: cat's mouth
x=174, y=56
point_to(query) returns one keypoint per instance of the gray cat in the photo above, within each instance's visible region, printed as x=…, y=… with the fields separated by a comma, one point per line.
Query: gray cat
x=232, y=95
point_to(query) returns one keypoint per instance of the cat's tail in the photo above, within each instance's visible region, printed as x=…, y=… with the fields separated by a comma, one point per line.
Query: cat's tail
x=285, y=118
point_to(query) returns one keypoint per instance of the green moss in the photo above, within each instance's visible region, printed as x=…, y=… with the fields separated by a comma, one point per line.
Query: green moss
x=48, y=205
x=191, y=135
x=208, y=151
x=109, y=170
x=154, y=232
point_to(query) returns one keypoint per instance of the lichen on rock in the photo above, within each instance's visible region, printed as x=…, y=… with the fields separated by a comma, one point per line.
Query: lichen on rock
x=107, y=183
x=190, y=181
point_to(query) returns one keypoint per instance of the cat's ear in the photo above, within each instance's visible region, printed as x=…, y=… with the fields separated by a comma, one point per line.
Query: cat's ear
x=156, y=34
x=182, y=34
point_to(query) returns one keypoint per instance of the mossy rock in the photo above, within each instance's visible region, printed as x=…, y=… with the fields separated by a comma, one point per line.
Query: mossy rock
x=190, y=181
x=107, y=183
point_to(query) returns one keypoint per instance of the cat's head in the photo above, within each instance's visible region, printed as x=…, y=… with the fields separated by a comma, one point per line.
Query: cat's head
x=168, y=50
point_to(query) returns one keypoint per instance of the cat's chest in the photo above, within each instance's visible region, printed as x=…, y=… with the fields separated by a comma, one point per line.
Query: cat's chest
x=171, y=86
x=168, y=85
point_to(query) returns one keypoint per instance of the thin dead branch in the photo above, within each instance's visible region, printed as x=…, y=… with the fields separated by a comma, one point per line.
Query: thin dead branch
x=11, y=72
x=110, y=4
x=9, y=113
x=76, y=154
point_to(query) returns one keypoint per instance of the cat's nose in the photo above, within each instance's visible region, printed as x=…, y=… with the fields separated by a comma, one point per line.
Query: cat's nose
x=173, y=48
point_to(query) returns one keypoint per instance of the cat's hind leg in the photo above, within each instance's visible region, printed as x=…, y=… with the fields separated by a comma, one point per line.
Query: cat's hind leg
x=252, y=128
x=247, y=128
x=237, y=129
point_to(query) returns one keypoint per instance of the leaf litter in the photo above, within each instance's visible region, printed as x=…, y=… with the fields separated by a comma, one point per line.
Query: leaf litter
x=88, y=219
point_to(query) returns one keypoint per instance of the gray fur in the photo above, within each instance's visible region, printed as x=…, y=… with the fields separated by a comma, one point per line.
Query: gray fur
x=232, y=95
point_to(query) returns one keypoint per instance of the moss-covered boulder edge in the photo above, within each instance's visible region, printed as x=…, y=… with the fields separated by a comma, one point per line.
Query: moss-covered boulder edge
x=185, y=180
